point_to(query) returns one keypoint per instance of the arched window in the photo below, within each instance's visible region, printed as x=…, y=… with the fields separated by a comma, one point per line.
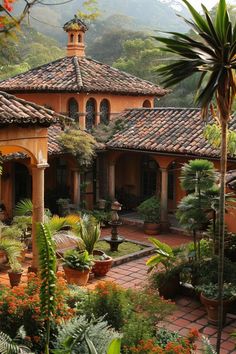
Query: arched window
x=90, y=113
x=71, y=38
x=79, y=38
x=104, y=111
x=73, y=108
x=147, y=104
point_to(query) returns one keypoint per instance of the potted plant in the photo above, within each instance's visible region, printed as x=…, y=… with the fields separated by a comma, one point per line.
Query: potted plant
x=209, y=297
x=102, y=263
x=150, y=212
x=15, y=272
x=167, y=279
x=77, y=266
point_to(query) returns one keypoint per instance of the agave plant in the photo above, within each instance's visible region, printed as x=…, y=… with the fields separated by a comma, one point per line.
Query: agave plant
x=89, y=232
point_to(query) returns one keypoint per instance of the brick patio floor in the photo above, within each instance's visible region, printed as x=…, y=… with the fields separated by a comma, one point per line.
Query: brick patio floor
x=189, y=312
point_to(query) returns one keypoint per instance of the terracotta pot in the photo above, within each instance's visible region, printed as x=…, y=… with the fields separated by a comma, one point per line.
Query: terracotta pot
x=170, y=288
x=75, y=276
x=101, y=266
x=212, y=309
x=14, y=278
x=151, y=228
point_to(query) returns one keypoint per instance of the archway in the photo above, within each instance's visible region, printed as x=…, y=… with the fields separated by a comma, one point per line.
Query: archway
x=22, y=183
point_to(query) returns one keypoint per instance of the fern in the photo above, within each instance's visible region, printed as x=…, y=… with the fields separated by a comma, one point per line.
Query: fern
x=47, y=262
x=75, y=335
x=8, y=345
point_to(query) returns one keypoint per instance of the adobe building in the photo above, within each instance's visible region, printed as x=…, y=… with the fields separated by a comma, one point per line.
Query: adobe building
x=142, y=159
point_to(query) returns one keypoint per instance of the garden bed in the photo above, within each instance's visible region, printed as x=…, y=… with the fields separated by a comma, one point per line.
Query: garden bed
x=128, y=251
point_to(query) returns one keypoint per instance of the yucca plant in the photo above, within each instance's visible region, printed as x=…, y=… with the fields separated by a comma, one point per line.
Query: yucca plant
x=47, y=263
x=213, y=55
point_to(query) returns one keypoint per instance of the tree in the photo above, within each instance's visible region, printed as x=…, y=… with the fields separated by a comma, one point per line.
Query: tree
x=213, y=55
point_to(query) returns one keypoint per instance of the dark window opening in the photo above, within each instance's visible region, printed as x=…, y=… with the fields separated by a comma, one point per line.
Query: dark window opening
x=73, y=108
x=104, y=112
x=90, y=113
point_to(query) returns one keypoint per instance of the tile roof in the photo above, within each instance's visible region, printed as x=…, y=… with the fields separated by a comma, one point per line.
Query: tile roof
x=15, y=110
x=79, y=74
x=164, y=130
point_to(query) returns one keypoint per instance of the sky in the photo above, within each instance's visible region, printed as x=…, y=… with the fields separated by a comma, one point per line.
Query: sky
x=207, y=3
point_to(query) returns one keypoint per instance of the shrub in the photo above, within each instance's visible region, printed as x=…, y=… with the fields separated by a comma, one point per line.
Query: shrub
x=21, y=306
x=135, y=313
x=150, y=210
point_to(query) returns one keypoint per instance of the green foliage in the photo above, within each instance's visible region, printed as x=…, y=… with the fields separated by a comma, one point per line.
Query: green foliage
x=9, y=346
x=207, y=347
x=47, y=262
x=192, y=215
x=198, y=175
x=150, y=210
x=212, y=133
x=78, y=260
x=72, y=335
x=89, y=232
x=80, y=144
x=104, y=132
x=164, y=336
x=24, y=207
x=164, y=256
x=134, y=313
x=211, y=291
x=18, y=55
x=202, y=55
x=13, y=250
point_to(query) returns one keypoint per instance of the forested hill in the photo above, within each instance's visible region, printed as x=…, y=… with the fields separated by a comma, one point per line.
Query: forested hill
x=138, y=15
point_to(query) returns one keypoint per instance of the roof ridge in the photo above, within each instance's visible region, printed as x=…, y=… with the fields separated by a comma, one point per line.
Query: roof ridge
x=78, y=72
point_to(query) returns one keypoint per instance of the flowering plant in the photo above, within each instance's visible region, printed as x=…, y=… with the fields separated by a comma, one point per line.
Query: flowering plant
x=181, y=345
x=21, y=306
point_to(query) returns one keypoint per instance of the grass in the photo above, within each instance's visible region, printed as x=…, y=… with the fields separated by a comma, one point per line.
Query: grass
x=125, y=248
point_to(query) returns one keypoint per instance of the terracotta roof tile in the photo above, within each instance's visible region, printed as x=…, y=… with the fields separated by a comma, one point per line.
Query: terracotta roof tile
x=165, y=130
x=14, y=110
x=79, y=74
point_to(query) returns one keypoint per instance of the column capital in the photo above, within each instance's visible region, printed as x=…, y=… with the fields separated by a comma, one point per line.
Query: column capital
x=40, y=165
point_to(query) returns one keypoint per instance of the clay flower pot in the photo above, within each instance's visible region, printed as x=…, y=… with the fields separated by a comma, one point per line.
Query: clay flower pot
x=14, y=278
x=151, y=228
x=101, y=266
x=75, y=276
x=3, y=257
x=212, y=309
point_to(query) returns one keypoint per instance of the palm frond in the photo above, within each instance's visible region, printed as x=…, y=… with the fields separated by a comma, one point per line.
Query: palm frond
x=24, y=207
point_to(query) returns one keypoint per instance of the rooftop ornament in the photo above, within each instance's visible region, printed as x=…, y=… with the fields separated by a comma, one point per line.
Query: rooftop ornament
x=115, y=240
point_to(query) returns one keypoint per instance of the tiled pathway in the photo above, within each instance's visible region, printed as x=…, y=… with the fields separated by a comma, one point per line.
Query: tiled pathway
x=189, y=312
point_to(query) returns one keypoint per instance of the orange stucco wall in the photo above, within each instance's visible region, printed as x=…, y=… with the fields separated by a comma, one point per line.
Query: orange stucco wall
x=59, y=101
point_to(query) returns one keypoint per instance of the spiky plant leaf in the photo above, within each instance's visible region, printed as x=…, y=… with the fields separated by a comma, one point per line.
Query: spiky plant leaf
x=24, y=207
x=47, y=262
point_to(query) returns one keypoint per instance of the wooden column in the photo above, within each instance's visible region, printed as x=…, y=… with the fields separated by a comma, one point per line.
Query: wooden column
x=111, y=179
x=38, y=205
x=76, y=187
x=164, y=199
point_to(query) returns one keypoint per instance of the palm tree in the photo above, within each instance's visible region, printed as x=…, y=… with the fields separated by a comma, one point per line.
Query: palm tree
x=213, y=55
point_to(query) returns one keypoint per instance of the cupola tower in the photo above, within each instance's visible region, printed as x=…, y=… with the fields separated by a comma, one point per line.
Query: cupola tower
x=76, y=30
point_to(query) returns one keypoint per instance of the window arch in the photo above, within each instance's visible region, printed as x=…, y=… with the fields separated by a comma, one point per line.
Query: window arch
x=73, y=108
x=147, y=104
x=90, y=113
x=104, y=111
